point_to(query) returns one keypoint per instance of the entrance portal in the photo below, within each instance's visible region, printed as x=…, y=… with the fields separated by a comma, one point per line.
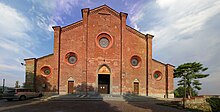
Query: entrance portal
x=104, y=80
x=70, y=86
x=103, y=83
x=136, y=88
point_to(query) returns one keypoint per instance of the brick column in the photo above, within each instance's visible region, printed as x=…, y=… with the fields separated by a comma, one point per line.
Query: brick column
x=123, y=17
x=169, y=81
x=149, y=62
x=57, y=33
x=85, y=14
x=30, y=73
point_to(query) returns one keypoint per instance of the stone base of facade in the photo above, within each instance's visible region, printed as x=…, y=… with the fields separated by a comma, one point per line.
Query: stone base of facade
x=157, y=95
x=50, y=93
x=171, y=95
x=161, y=95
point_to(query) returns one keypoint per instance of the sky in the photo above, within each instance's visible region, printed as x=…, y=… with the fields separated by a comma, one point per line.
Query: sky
x=184, y=31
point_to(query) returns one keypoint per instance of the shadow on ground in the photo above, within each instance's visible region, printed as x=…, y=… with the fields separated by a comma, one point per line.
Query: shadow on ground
x=150, y=103
x=69, y=103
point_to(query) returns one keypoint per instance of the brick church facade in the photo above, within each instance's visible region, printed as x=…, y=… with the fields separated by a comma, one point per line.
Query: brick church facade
x=100, y=54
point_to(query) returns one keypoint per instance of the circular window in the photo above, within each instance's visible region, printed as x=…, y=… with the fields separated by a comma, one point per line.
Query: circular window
x=135, y=61
x=104, y=41
x=158, y=75
x=71, y=58
x=46, y=71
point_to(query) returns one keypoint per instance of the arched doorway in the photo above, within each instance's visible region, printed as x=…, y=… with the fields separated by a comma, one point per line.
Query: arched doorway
x=136, y=86
x=70, y=85
x=104, y=80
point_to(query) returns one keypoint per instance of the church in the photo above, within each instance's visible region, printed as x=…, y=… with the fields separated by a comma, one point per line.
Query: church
x=100, y=54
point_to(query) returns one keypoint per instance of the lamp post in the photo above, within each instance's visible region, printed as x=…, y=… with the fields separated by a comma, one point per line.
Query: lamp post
x=3, y=88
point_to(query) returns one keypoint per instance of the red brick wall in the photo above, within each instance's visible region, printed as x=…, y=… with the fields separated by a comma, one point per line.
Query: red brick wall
x=81, y=38
x=104, y=22
x=170, y=71
x=157, y=86
x=134, y=45
x=72, y=41
x=30, y=73
x=49, y=81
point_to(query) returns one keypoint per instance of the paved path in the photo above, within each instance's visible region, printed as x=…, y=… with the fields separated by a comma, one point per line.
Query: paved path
x=61, y=104
x=93, y=106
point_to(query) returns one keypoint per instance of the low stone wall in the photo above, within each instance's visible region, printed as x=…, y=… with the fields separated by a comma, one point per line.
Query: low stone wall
x=198, y=103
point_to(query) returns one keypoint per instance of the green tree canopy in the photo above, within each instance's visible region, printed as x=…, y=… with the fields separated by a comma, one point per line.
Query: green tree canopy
x=17, y=84
x=179, y=92
x=190, y=73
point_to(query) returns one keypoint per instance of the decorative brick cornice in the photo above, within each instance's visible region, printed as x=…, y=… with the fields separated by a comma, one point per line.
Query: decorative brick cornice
x=45, y=56
x=132, y=30
x=29, y=59
x=149, y=36
x=158, y=62
x=106, y=8
x=71, y=26
x=163, y=63
x=55, y=28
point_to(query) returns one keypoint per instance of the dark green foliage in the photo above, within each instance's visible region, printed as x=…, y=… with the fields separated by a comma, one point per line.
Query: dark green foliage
x=26, y=86
x=179, y=92
x=17, y=84
x=214, y=103
x=190, y=73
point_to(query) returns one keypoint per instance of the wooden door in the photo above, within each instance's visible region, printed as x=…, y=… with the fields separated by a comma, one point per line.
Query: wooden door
x=103, y=88
x=136, y=88
x=70, y=86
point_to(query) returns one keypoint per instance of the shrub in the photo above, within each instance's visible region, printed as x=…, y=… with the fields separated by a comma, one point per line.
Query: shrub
x=214, y=103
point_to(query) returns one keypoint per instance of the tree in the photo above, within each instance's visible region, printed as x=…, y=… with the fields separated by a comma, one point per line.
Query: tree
x=190, y=73
x=17, y=84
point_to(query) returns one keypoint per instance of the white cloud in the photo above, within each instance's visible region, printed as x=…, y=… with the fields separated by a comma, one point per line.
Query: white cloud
x=184, y=31
x=45, y=23
x=15, y=41
x=46, y=5
x=4, y=67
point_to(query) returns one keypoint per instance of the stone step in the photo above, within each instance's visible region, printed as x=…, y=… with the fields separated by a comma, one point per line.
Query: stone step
x=128, y=98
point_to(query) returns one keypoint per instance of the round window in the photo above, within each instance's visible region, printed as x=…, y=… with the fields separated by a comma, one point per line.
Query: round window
x=46, y=71
x=104, y=42
x=135, y=61
x=158, y=75
x=71, y=58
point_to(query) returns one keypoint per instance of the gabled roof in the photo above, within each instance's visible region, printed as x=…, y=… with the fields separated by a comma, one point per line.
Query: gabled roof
x=163, y=63
x=132, y=30
x=105, y=7
x=97, y=10
x=45, y=56
x=71, y=26
x=39, y=57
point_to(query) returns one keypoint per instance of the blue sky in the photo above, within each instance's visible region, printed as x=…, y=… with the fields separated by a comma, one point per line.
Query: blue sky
x=184, y=31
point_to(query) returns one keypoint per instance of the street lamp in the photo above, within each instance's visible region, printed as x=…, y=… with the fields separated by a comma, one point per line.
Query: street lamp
x=23, y=64
x=3, y=88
